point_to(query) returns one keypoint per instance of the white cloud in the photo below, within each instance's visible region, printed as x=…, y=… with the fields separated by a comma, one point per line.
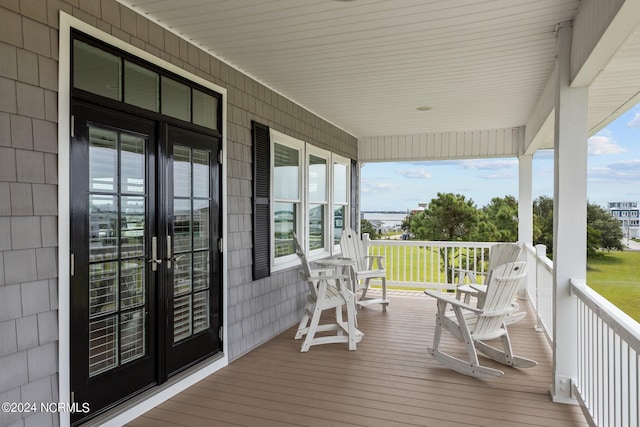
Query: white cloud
x=635, y=122
x=500, y=176
x=414, y=173
x=626, y=170
x=600, y=145
x=374, y=186
x=633, y=165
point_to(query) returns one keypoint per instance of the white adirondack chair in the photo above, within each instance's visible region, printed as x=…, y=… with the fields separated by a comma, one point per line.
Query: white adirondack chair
x=326, y=291
x=474, y=325
x=365, y=267
x=499, y=254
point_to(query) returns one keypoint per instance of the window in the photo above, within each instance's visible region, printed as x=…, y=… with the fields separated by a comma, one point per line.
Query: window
x=340, y=198
x=299, y=188
x=286, y=196
x=105, y=72
x=318, y=195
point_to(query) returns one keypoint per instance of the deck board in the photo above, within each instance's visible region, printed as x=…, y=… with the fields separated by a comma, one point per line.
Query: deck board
x=390, y=380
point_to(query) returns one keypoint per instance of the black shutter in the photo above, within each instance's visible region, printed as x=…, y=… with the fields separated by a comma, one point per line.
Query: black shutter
x=355, y=221
x=261, y=190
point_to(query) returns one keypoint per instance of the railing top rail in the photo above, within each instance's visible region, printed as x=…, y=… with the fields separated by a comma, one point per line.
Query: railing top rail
x=616, y=319
x=393, y=242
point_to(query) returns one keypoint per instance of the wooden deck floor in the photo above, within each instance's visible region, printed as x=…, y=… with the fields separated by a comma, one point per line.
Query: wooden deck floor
x=389, y=381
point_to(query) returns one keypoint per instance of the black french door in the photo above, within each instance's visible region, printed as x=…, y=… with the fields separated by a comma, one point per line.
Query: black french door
x=146, y=281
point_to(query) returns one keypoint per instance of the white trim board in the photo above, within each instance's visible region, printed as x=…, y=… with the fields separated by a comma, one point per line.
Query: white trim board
x=67, y=23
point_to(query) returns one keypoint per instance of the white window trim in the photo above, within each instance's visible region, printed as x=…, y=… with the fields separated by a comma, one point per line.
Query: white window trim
x=288, y=141
x=335, y=158
x=326, y=155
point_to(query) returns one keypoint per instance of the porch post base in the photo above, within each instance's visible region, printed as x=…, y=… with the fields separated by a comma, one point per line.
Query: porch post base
x=561, y=391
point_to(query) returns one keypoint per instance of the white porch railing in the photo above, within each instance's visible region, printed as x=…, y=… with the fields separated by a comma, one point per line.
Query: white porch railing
x=428, y=264
x=608, y=341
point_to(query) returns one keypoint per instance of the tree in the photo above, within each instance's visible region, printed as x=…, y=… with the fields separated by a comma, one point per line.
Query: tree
x=603, y=230
x=367, y=227
x=448, y=217
x=609, y=233
x=502, y=213
x=543, y=222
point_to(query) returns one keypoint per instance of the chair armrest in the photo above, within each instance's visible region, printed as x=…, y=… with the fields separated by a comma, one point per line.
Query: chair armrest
x=371, y=260
x=454, y=302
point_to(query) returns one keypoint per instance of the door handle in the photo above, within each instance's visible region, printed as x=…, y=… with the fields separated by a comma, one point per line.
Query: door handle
x=169, y=259
x=154, y=254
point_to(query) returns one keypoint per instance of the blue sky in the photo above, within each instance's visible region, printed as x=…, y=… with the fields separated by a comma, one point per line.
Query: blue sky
x=613, y=173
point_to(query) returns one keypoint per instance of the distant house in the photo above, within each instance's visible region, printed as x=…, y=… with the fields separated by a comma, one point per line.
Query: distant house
x=629, y=216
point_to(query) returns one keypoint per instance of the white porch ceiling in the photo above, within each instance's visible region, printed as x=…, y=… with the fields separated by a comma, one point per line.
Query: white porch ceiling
x=366, y=65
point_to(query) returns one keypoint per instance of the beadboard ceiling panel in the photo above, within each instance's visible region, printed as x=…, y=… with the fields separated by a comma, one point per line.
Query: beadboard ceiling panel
x=366, y=65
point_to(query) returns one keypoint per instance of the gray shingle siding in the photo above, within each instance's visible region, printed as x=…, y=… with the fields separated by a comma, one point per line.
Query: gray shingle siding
x=28, y=188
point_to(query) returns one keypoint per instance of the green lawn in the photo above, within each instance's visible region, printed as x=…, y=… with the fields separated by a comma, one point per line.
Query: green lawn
x=616, y=276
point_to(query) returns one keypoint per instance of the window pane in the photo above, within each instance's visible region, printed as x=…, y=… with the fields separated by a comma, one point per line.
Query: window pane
x=103, y=345
x=201, y=224
x=132, y=163
x=284, y=226
x=338, y=223
x=103, y=227
x=340, y=183
x=103, y=288
x=205, y=110
x=285, y=173
x=317, y=179
x=181, y=318
x=181, y=171
x=200, y=173
x=132, y=340
x=132, y=283
x=316, y=227
x=96, y=71
x=132, y=225
x=200, y=311
x=103, y=158
x=182, y=225
x=141, y=87
x=176, y=99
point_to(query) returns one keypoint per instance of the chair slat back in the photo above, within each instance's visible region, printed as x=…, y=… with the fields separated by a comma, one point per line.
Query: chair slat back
x=502, y=253
x=305, y=273
x=352, y=247
x=503, y=284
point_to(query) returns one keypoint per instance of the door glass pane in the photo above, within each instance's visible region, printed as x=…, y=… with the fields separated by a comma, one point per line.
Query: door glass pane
x=200, y=224
x=176, y=99
x=103, y=160
x=182, y=274
x=132, y=214
x=200, y=173
x=141, y=87
x=132, y=283
x=284, y=226
x=181, y=318
x=103, y=227
x=96, y=71
x=103, y=288
x=205, y=109
x=103, y=345
x=182, y=225
x=200, y=311
x=317, y=179
x=181, y=171
x=316, y=227
x=285, y=172
x=132, y=163
x=132, y=335
x=201, y=270
x=191, y=225
x=117, y=247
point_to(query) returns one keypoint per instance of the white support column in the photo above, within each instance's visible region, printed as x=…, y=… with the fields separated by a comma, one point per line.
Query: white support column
x=525, y=213
x=569, y=219
x=525, y=203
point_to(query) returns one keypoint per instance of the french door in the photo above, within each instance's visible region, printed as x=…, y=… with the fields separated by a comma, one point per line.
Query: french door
x=145, y=224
